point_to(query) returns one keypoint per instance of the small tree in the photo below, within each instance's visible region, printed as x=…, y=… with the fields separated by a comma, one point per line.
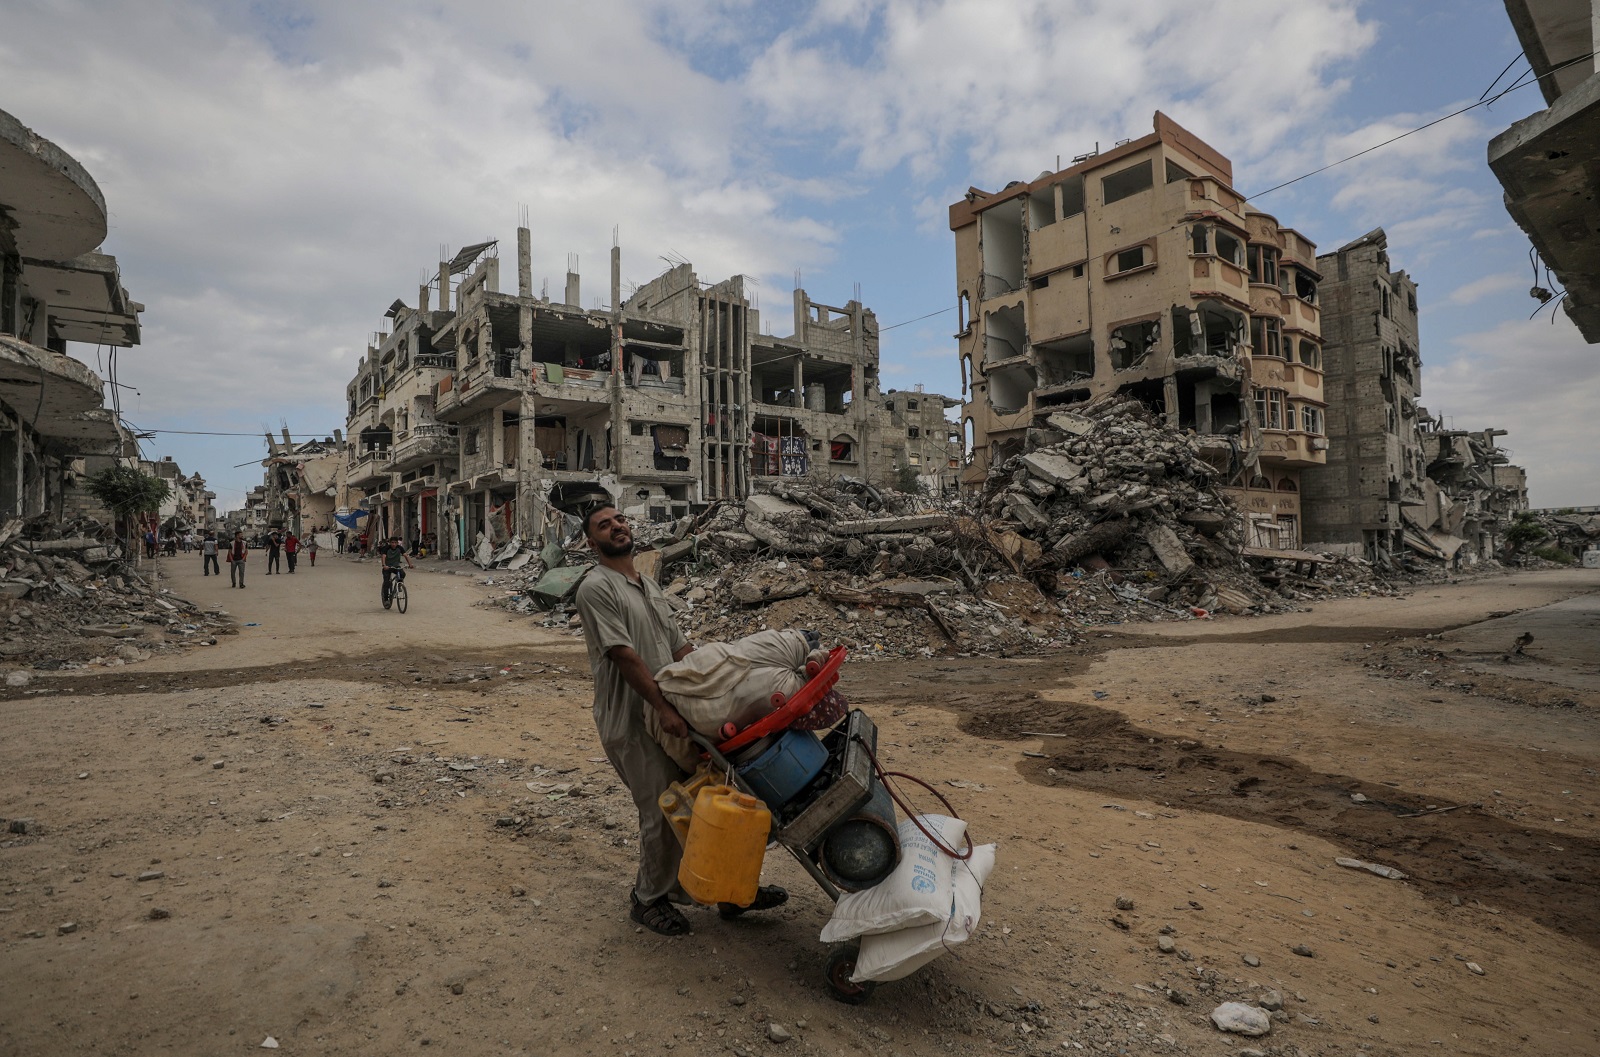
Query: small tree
x=127, y=492
x=1523, y=532
x=906, y=478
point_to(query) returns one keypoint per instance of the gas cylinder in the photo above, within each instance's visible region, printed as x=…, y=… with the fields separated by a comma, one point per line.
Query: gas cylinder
x=677, y=803
x=727, y=841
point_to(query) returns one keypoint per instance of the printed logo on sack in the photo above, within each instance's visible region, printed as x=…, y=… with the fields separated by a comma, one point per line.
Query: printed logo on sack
x=922, y=884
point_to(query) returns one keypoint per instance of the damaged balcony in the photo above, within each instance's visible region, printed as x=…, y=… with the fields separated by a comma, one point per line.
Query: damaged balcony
x=422, y=444
x=570, y=354
x=57, y=397
x=785, y=377
x=652, y=357
x=488, y=370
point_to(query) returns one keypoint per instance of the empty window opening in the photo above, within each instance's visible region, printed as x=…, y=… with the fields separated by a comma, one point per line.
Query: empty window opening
x=1266, y=336
x=1209, y=405
x=842, y=449
x=1062, y=398
x=1071, y=192
x=1010, y=388
x=1286, y=484
x=1260, y=482
x=1041, y=209
x=912, y=432
x=1066, y=361
x=1263, y=265
x=1077, y=271
x=911, y=405
x=1176, y=172
x=1135, y=257
x=1305, y=287
x=1039, y=282
x=1003, y=335
x=1152, y=393
x=1128, y=182
x=1206, y=331
x=1132, y=344
x=471, y=444
x=1000, y=235
x=1229, y=248
x=1310, y=355
x=1200, y=240
x=1383, y=297
x=964, y=312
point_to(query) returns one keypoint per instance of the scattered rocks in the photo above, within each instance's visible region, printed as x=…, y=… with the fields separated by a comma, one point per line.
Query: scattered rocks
x=778, y=1033
x=1271, y=1001
x=1240, y=1019
x=1166, y=944
x=1252, y=961
x=1124, y=903
x=1371, y=867
x=1303, y=951
x=152, y=875
x=159, y=914
x=66, y=928
x=1475, y=968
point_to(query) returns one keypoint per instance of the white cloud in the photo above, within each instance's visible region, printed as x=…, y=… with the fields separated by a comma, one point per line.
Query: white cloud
x=1488, y=286
x=1539, y=382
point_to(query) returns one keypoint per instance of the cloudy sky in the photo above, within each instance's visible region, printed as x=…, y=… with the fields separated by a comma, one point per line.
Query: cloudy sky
x=278, y=172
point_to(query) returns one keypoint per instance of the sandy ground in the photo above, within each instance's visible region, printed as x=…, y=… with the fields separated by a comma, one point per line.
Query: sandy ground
x=352, y=860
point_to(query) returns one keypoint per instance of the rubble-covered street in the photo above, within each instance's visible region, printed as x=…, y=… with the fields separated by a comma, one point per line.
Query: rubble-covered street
x=354, y=831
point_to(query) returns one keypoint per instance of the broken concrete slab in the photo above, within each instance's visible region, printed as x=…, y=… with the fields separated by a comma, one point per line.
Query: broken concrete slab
x=1169, y=550
x=1057, y=469
x=750, y=593
x=924, y=588
x=908, y=523
x=1026, y=513
x=1067, y=422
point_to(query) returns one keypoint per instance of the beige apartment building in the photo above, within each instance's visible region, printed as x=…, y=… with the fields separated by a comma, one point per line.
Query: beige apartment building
x=1141, y=271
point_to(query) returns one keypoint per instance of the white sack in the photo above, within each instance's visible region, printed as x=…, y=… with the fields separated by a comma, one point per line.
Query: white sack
x=918, y=892
x=733, y=682
x=896, y=955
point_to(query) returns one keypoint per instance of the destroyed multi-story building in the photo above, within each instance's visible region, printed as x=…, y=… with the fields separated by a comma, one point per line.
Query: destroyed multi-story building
x=1474, y=492
x=477, y=417
x=1372, y=374
x=188, y=505
x=303, y=482
x=1140, y=271
x=55, y=288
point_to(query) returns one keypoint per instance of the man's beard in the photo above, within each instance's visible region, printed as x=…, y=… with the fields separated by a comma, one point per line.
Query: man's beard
x=614, y=550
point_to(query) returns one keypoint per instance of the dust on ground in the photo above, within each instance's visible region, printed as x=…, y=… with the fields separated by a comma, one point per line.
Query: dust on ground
x=378, y=833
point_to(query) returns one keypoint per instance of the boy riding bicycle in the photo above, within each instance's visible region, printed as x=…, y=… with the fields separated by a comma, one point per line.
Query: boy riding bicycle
x=391, y=553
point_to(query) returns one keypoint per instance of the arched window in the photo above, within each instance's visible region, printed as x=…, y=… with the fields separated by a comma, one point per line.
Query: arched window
x=842, y=448
x=1260, y=482
x=1287, y=485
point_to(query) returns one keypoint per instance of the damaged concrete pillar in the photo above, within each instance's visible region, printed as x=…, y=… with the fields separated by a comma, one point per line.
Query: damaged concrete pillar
x=616, y=280
x=423, y=290
x=572, y=290
x=800, y=314
x=444, y=286
x=524, y=263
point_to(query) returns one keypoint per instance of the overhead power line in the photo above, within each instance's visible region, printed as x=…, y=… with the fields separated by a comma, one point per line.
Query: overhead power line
x=1411, y=132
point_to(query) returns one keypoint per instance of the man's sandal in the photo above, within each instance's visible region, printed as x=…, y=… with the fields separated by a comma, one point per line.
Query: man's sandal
x=660, y=917
x=767, y=898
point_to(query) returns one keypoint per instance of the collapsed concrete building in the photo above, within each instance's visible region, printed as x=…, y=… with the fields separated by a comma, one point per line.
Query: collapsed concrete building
x=1140, y=271
x=1396, y=480
x=302, y=485
x=1473, y=494
x=484, y=414
x=1372, y=374
x=55, y=288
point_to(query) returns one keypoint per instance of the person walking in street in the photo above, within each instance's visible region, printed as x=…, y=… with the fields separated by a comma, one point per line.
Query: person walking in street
x=311, y=550
x=237, y=552
x=208, y=555
x=338, y=540
x=631, y=635
x=291, y=548
x=274, y=547
x=149, y=543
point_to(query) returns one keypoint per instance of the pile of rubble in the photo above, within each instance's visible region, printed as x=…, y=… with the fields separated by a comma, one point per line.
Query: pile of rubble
x=69, y=599
x=1109, y=518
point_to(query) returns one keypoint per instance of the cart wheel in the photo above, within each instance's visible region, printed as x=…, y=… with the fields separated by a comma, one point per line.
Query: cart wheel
x=841, y=963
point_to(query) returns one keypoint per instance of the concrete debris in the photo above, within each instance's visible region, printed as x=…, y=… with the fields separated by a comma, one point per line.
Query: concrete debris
x=68, y=595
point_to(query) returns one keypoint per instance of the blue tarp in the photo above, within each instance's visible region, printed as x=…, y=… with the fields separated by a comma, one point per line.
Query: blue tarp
x=351, y=520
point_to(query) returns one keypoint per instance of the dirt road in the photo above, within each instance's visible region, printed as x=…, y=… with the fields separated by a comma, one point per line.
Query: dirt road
x=379, y=834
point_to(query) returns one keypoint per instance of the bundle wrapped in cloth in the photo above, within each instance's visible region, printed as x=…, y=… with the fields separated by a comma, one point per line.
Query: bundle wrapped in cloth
x=734, y=682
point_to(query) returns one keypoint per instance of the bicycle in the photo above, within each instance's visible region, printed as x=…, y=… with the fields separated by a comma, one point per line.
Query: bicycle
x=394, y=592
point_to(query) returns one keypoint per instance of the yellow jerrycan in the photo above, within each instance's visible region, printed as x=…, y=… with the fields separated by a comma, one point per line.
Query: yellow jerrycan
x=677, y=803
x=727, y=841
